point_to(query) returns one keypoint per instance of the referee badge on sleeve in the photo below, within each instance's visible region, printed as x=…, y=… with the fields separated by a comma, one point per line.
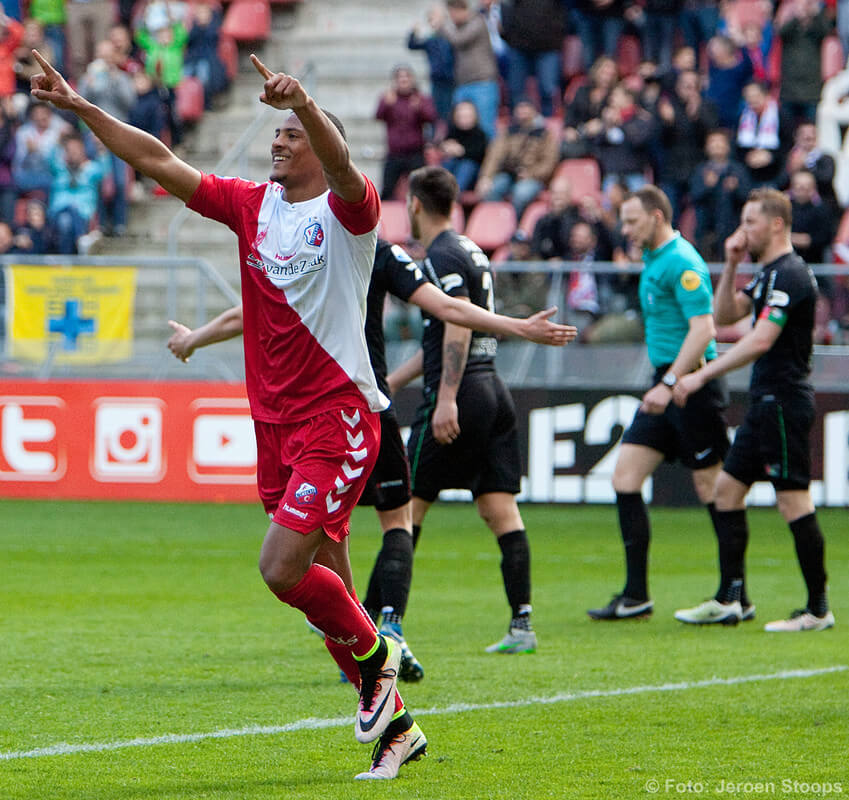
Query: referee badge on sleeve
x=690, y=280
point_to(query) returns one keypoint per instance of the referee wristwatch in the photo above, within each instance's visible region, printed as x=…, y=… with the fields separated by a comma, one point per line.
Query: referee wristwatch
x=670, y=379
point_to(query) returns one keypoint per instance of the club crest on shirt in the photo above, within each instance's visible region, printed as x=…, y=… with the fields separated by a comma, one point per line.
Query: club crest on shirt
x=260, y=237
x=305, y=493
x=314, y=234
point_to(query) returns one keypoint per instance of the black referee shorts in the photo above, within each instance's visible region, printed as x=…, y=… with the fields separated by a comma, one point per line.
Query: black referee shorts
x=485, y=456
x=773, y=443
x=696, y=435
x=388, y=486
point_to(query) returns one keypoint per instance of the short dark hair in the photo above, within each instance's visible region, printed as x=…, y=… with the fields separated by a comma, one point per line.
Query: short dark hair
x=457, y=3
x=773, y=204
x=435, y=187
x=336, y=122
x=653, y=199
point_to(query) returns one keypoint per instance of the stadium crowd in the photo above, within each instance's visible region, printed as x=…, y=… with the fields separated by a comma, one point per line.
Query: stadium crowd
x=60, y=190
x=561, y=107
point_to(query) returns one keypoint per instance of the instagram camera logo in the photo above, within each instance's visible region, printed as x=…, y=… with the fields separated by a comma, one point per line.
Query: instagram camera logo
x=128, y=440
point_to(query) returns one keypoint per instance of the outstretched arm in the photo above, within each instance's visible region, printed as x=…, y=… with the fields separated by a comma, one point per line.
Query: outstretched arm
x=285, y=92
x=184, y=341
x=139, y=149
x=404, y=373
x=537, y=328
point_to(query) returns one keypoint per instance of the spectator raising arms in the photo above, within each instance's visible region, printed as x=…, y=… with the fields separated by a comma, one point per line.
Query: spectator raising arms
x=164, y=47
x=729, y=70
x=406, y=113
x=475, y=68
x=440, y=59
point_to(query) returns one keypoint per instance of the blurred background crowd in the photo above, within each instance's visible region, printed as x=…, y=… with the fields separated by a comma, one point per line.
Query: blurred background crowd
x=559, y=107
x=152, y=63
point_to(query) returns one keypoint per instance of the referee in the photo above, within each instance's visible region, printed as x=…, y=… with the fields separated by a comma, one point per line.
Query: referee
x=676, y=299
x=774, y=440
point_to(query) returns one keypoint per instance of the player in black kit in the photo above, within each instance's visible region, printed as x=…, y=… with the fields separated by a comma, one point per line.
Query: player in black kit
x=773, y=441
x=465, y=433
x=388, y=488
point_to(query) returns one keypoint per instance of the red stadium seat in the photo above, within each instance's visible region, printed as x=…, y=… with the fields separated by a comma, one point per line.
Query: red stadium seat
x=247, y=20
x=687, y=224
x=501, y=255
x=584, y=173
x=628, y=55
x=832, y=59
x=394, y=222
x=228, y=52
x=458, y=218
x=531, y=215
x=190, y=99
x=491, y=224
x=573, y=57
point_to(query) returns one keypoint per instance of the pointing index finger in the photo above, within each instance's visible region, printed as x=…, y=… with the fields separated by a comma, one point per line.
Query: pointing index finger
x=261, y=68
x=44, y=63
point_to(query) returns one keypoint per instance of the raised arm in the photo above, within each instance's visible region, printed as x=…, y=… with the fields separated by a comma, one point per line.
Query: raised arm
x=282, y=91
x=139, y=149
x=730, y=303
x=184, y=341
x=537, y=328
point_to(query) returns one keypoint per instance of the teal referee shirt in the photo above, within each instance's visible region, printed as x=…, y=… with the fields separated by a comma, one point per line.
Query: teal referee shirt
x=674, y=286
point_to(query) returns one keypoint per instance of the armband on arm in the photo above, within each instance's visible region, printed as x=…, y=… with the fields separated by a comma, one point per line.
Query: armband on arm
x=773, y=314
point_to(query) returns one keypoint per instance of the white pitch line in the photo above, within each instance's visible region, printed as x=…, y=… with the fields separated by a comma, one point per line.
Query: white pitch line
x=311, y=723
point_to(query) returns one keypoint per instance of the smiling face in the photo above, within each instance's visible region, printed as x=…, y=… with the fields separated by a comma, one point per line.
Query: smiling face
x=293, y=162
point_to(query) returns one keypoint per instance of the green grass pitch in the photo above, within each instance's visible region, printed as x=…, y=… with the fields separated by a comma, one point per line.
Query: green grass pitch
x=142, y=658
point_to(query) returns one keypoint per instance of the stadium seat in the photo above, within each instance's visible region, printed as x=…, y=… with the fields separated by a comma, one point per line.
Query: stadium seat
x=501, y=255
x=491, y=224
x=394, y=222
x=458, y=218
x=687, y=224
x=531, y=215
x=190, y=99
x=628, y=55
x=228, y=52
x=832, y=60
x=573, y=57
x=572, y=88
x=584, y=173
x=247, y=20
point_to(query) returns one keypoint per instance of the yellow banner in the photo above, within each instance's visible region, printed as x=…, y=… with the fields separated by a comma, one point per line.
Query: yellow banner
x=74, y=314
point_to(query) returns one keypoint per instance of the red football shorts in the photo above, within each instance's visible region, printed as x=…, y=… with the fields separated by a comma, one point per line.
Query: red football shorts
x=310, y=474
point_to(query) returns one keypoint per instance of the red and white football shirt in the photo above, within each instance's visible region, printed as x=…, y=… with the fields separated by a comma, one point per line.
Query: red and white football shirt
x=305, y=274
